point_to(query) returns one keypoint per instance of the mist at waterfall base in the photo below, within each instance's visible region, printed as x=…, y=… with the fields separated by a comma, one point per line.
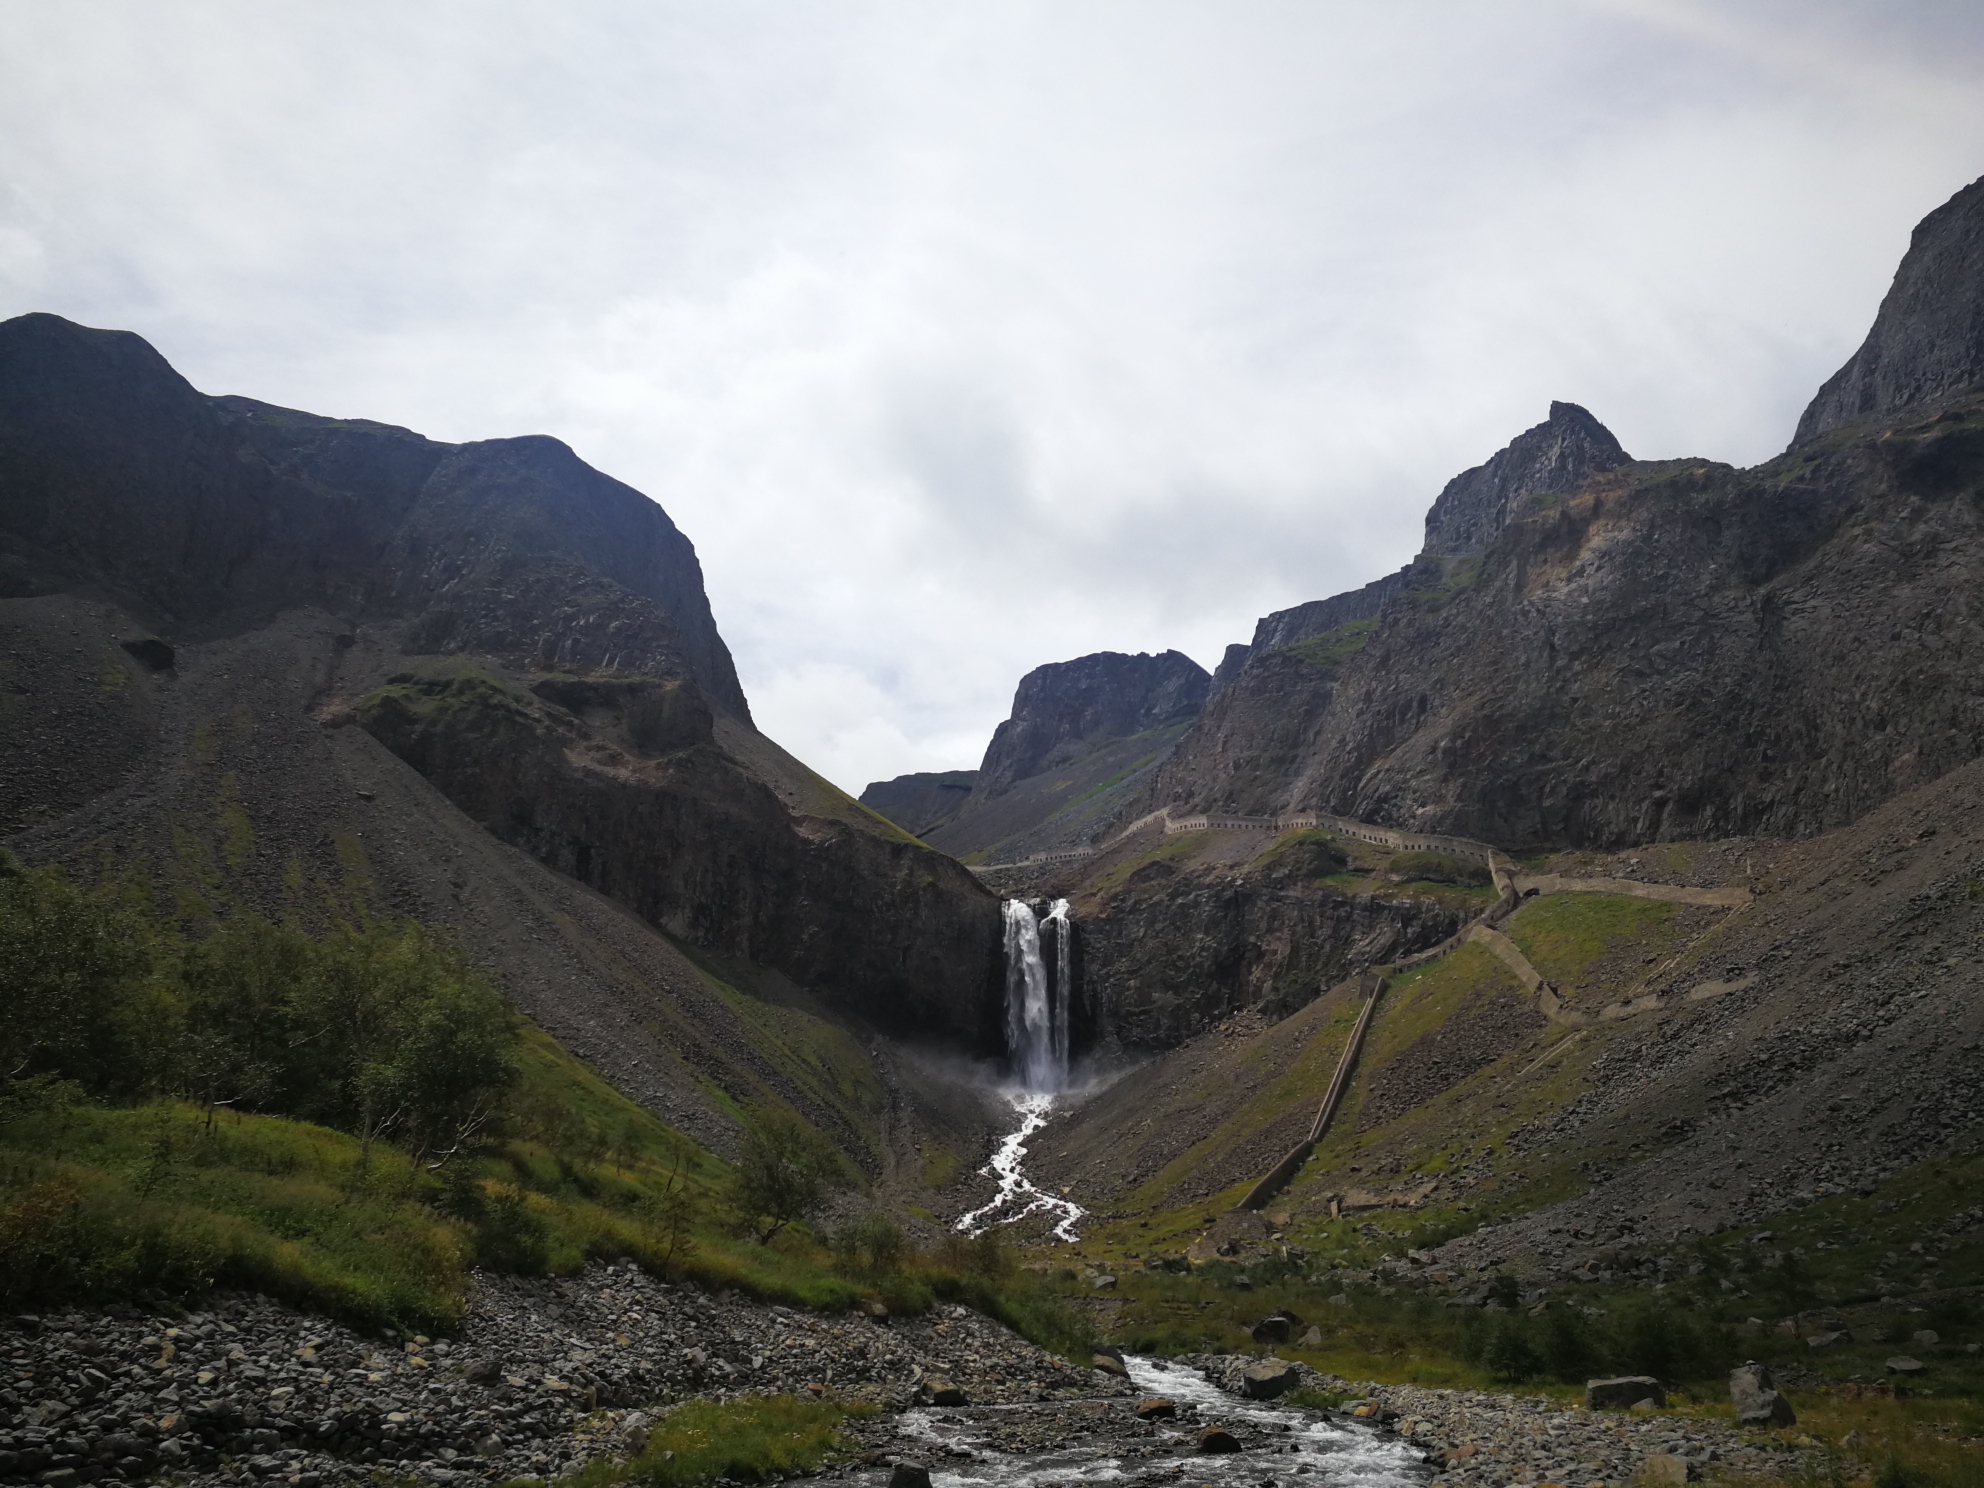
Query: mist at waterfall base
x=1037, y=1041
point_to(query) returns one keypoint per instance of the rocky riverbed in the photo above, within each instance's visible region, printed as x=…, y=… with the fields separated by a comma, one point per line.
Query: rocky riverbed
x=549, y=1373
x=544, y=1375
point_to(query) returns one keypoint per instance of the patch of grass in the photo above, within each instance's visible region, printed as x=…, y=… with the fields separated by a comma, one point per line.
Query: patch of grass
x=750, y=1440
x=1564, y=934
x=1333, y=648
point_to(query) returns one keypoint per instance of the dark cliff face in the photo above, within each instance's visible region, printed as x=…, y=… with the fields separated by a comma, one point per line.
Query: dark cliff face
x=1928, y=338
x=210, y=512
x=1556, y=455
x=918, y=802
x=631, y=766
x=624, y=785
x=1594, y=652
x=1680, y=650
x=1069, y=703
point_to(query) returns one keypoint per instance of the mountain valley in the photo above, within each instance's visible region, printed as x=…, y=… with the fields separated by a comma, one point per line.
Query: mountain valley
x=1580, y=925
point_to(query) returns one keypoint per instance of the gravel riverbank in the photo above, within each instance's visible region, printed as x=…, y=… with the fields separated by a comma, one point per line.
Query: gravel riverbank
x=546, y=1374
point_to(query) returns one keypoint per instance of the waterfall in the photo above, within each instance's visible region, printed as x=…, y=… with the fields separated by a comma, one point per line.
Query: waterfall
x=1064, y=982
x=1037, y=1040
x=1029, y=1015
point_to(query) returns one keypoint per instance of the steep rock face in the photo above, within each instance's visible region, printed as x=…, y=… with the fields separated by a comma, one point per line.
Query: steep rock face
x=1171, y=955
x=1928, y=337
x=211, y=517
x=1556, y=455
x=1067, y=704
x=622, y=786
x=918, y=802
x=1684, y=650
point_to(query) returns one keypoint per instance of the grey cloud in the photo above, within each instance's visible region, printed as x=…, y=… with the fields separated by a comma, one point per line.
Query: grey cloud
x=962, y=338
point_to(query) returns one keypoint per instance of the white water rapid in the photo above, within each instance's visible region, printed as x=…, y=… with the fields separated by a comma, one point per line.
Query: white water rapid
x=1289, y=1446
x=1037, y=1027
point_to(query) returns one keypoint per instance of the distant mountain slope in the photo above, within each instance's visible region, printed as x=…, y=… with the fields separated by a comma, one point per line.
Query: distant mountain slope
x=534, y=639
x=918, y=802
x=1082, y=736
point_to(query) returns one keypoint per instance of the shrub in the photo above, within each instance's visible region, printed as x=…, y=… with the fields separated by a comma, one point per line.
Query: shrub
x=782, y=1171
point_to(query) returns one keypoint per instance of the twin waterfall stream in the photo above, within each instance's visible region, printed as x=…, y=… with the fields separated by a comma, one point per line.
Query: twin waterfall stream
x=1037, y=1035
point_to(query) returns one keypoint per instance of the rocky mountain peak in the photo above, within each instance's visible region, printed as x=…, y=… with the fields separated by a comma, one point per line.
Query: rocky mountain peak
x=1109, y=694
x=1928, y=336
x=1555, y=455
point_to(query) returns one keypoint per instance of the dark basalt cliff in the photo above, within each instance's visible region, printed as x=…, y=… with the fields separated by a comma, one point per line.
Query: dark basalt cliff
x=1928, y=338
x=1598, y=652
x=1557, y=455
x=1082, y=735
x=528, y=632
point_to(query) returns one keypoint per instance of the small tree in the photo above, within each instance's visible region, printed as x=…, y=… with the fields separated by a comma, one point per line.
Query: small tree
x=672, y=1211
x=782, y=1171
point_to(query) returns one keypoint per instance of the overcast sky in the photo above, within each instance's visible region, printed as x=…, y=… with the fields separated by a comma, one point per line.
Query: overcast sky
x=966, y=337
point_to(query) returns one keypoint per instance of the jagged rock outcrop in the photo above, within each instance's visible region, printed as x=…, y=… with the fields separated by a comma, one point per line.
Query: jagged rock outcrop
x=1927, y=340
x=530, y=633
x=918, y=802
x=1557, y=455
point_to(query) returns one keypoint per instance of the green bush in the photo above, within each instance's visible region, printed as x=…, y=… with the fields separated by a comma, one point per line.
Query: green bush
x=1434, y=867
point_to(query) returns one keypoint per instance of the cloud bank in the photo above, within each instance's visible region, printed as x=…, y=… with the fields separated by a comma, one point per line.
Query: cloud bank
x=962, y=338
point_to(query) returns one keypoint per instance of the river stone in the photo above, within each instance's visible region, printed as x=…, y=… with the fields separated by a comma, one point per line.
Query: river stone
x=1109, y=1364
x=1270, y=1378
x=909, y=1475
x=1215, y=1439
x=1752, y=1391
x=936, y=1389
x=1664, y=1470
x=1157, y=1408
x=1623, y=1393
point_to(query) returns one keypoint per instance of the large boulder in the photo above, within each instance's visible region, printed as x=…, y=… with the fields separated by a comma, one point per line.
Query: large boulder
x=1623, y=1393
x=1271, y=1330
x=1270, y=1378
x=1754, y=1394
x=1218, y=1439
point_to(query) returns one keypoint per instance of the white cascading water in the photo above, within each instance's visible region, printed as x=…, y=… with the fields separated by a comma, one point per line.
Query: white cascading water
x=1037, y=1040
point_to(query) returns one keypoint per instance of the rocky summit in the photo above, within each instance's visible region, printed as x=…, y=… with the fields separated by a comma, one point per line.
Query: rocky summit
x=1517, y=1023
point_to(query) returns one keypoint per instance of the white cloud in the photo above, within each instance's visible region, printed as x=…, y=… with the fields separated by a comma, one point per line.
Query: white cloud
x=962, y=338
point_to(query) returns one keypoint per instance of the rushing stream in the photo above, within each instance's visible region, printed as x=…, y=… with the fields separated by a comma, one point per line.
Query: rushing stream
x=1037, y=1036
x=974, y=1447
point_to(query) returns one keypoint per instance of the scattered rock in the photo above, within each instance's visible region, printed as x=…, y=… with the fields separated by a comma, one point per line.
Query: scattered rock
x=1902, y=1364
x=1157, y=1408
x=1270, y=1379
x=1313, y=1338
x=1824, y=1339
x=909, y=1475
x=1275, y=1329
x=936, y=1389
x=1218, y=1439
x=1926, y=1338
x=1754, y=1394
x=1664, y=1470
x=1623, y=1393
x=1109, y=1364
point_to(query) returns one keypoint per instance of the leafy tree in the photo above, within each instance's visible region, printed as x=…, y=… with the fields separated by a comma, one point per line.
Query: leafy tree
x=1508, y=1354
x=782, y=1171
x=82, y=1001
